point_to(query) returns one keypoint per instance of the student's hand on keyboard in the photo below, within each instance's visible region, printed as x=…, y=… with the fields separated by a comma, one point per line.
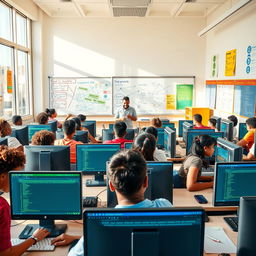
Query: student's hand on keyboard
x=64, y=239
x=41, y=233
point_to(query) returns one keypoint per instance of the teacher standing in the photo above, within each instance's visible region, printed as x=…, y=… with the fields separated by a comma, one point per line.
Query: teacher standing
x=126, y=113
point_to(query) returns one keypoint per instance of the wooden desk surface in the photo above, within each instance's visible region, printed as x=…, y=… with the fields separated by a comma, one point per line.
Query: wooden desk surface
x=77, y=229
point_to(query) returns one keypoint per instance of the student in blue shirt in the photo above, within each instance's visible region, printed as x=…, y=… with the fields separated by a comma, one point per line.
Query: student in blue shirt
x=128, y=178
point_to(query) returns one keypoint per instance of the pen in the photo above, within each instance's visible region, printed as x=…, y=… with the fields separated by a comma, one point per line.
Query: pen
x=214, y=239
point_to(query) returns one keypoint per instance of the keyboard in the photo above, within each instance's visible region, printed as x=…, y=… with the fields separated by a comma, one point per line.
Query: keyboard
x=43, y=245
x=232, y=222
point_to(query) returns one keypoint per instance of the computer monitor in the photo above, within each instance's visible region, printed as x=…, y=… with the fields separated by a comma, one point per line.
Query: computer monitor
x=91, y=126
x=21, y=134
x=180, y=134
x=54, y=125
x=170, y=141
x=111, y=126
x=155, y=231
x=227, y=126
x=227, y=151
x=246, y=245
x=218, y=121
x=160, y=137
x=170, y=125
x=233, y=180
x=128, y=145
x=45, y=196
x=107, y=134
x=165, y=120
x=46, y=158
x=186, y=127
x=130, y=134
x=242, y=130
x=79, y=136
x=91, y=160
x=196, y=132
x=33, y=128
x=4, y=141
x=160, y=176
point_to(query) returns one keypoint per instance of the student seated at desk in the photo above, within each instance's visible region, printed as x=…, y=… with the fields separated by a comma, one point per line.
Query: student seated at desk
x=197, y=119
x=6, y=131
x=80, y=128
x=42, y=118
x=128, y=178
x=190, y=171
x=159, y=154
x=12, y=159
x=43, y=137
x=146, y=144
x=52, y=114
x=17, y=120
x=69, y=129
x=247, y=141
x=156, y=122
x=120, y=133
x=212, y=124
x=234, y=119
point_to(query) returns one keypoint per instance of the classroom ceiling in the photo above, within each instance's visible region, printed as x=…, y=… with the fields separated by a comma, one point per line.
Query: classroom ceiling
x=128, y=8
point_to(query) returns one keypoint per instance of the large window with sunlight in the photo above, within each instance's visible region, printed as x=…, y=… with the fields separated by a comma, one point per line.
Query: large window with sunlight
x=15, y=56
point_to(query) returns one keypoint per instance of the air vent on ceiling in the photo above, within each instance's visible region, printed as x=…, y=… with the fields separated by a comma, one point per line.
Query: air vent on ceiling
x=139, y=12
x=130, y=3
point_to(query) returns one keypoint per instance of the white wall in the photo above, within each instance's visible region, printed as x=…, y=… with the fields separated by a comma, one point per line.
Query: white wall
x=123, y=47
x=237, y=32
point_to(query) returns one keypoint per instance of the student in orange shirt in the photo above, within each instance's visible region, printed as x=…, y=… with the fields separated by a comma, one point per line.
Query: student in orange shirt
x=120, y=132
x=247, y=141
x=69, y=128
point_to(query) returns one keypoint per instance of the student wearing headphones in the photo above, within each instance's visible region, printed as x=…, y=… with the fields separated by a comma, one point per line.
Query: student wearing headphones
x=128, y=178
x=12, y=159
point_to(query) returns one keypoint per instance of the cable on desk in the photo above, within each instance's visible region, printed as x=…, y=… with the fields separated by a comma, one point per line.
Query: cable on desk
x=101, y=192
x=75, y=221
x=18, y=223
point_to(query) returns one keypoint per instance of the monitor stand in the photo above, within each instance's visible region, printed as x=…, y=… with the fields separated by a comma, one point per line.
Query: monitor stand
x=97, y=182
x=55, y=230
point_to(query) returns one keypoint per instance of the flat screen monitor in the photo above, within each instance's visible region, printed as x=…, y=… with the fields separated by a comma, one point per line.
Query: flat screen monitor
x=233, y=180
x=218, y=121
x=186, y=126
x=128, y=145
x=170, y=125
x=227, y=151
x=79, y=136
x=196, y=132
x=107, y=134
x=130, y=134
x=54, y=125
x=45, y=196
x=46, y=158
x=158, y=173
x=91, y=126
x=180, y=134
x=91, y=159
x=160, y=137
x=242, y=130
x=33, y=128
x=165, y=120
x=170, y=141
x=111, y=126
x=246, y=245
x=227, y=126
x=21, y=134
x=155, y=231
x=4, y=141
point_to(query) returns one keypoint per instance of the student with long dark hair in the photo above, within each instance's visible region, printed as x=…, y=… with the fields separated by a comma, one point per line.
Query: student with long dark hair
x=146, y=144
x=191, y=169
x=52, y=114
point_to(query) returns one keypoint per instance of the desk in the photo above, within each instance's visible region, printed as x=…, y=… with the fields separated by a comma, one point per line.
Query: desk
x=77, y=229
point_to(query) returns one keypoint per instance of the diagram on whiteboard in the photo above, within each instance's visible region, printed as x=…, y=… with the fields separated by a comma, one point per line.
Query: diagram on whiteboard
x=88, y=96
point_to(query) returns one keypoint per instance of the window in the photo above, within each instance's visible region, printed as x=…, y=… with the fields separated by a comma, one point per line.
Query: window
x=15, y=56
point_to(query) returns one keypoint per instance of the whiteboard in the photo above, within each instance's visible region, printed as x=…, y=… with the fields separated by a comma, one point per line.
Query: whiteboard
x=148, y=95
x=225, y=98
x=86, y=95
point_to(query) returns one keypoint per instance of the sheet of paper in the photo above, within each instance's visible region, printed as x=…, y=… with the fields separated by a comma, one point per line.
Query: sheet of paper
x=224, y=246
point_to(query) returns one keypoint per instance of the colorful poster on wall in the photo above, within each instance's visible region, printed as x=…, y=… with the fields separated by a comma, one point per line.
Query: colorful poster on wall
x=184, y=96
x=230, y=67
x=9, y=81
x=170, y=102
x=251, y=60
x=214, y=69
